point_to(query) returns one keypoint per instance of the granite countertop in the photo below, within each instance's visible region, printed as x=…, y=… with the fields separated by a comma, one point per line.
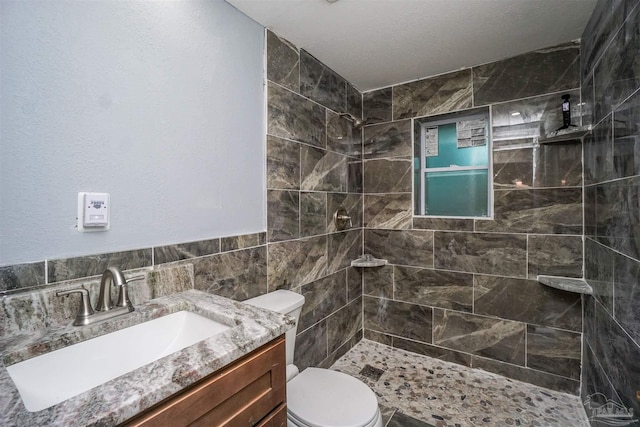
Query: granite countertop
x=120, y=399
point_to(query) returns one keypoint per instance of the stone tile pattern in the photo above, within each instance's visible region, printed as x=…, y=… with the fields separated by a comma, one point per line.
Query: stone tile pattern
x=465, y=290
x=315, y=167
x=420, y=391
x=610, y=73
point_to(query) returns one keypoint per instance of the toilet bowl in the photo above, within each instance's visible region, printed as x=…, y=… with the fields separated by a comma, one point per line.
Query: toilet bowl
x=319, y=397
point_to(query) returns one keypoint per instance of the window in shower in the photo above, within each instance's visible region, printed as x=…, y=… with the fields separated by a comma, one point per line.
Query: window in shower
x=452, y=165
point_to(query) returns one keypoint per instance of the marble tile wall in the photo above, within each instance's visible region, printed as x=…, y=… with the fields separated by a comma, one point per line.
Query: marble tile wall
x=610, y=74
x=234, y=267
x=315, y=167
x=464, y=290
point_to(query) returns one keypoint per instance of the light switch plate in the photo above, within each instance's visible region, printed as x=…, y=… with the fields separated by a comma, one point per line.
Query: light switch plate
x=94, y=211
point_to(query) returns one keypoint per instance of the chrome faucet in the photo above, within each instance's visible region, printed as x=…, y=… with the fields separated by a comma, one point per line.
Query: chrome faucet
x=111, y=275
x=104, y=308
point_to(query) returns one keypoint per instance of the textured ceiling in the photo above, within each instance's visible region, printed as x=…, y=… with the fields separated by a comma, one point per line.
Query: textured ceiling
x=378, y=43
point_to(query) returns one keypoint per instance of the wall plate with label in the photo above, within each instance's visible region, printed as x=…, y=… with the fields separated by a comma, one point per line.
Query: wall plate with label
x=94, y=211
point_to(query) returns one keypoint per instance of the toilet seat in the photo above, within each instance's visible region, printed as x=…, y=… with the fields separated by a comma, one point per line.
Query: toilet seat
x=325, y=398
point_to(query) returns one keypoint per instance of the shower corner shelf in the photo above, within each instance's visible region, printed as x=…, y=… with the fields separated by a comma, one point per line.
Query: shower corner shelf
x=368, y=261
x=570, y=284
x=565, y=134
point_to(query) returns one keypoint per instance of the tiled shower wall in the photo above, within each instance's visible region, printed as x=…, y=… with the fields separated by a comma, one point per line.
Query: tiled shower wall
x=610, y=73
x=314, y=167
x=465, y=290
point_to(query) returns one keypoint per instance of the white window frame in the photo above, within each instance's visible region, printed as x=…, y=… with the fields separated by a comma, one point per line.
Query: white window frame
x=425, y=123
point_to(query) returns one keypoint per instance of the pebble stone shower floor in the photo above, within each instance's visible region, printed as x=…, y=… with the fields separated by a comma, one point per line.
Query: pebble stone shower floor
x=420, y=391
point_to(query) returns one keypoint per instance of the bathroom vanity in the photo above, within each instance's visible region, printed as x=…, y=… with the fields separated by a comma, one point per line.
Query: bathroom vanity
x=248, y=392
x=237, y=374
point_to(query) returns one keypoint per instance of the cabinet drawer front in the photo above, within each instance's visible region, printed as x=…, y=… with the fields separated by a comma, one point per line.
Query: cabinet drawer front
x=278, y=418
x=242, y=394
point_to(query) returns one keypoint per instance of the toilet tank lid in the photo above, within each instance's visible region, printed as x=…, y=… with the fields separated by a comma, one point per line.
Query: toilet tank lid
x=280, y=301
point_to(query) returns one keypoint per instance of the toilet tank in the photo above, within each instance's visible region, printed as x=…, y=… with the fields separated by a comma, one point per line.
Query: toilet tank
x=285, y=302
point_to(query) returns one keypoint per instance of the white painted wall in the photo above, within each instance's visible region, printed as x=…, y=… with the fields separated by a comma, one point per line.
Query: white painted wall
x=159, y=103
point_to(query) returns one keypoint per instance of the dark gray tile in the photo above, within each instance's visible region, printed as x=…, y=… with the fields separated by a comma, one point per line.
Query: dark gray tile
x=320, y=83
x=498, y=339
x=377, y=106
x=351, y=203
x=92, y=265
x=344, y=324
x=341, y=351
x=627, y=294
x=596, y=388
x=283, y=164
x=342, y=137
x=527, y=301
x=398, y=318
x=283, y=215
x=400, y=420
x=392, y=139
x=598, y=265
x=184, y=251
x=283, y=62
x=531, y=376
x=378, y=337
x=238, y=275
x=587, y=98
x=558, y=165
x=555, y=255
x=354, y=101
x=388, y=176
x=313, y=214
x=434, y=95
x=590, y=218
x=356, y=180
x=598, y=154
x=513, y=168
x=617, y=73
x=626, y=138
x=321, y=298
x=618, y=213
x=554, y=351
x=243, y=241
x=21, y=276
x=435, y=288
x=297, y=262
x=442, y=224
x=542, y=71
x=323, y=170
x=619, y=357
x=597, y=34
x=531, y=117
x=311, y=346
x=354, y=283
x=433, y=351
x=388, y=211
x=411, y=247
x=545, y=210
x=343, y=248
x=490, y=253
x=378, y=281
x=292, y=116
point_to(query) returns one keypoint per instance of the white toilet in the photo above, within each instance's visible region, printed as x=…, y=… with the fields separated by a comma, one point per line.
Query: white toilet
x=319, y=397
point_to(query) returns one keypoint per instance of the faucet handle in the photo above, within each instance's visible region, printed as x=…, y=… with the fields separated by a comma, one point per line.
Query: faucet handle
x=123, y=294
x=85, y=309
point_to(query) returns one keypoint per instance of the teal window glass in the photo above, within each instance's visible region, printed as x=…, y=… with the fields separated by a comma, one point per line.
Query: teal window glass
x=457, y=193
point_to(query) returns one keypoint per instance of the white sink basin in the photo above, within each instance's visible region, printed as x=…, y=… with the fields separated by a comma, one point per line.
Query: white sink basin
x=54, y=377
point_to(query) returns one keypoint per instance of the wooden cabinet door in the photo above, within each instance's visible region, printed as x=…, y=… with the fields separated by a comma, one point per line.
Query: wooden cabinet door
x=247, y=393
